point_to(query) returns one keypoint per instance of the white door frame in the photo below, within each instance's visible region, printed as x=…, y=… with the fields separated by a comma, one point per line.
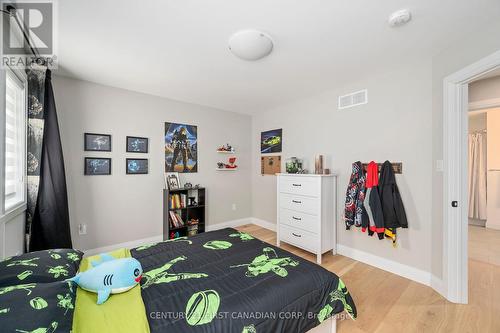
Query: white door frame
x=455, y=151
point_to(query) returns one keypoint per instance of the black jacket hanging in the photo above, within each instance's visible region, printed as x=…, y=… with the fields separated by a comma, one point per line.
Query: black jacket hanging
x=50, y=227
x=392, y=205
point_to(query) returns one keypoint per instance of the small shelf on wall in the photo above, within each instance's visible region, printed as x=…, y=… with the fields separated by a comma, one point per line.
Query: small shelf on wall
x=226, y=169
x=226, y=152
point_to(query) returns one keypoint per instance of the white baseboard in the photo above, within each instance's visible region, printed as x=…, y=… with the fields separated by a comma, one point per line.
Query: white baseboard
x=229, y=224
x=403, y=270
x=438, y=285
x=127, y=245
x=494, y=226
x=264, y=224
x=159, y=238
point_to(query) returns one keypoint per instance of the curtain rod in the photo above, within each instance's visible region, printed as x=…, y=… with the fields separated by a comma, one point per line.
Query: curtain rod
x=25, y=35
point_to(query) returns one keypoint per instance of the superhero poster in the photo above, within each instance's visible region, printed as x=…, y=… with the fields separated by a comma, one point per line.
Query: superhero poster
x=181, y=148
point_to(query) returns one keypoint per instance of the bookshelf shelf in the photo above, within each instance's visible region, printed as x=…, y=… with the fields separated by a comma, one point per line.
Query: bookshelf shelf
x=175, y=206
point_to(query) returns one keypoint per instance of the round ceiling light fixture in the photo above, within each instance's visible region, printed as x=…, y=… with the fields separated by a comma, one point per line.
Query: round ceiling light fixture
x=250, y=44
x=399, y=18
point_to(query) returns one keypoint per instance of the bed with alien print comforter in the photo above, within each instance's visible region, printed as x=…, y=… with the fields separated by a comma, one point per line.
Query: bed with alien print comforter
x=227, y=281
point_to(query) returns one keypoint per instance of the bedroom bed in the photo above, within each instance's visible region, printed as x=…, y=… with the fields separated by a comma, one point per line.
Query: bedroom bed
x=219, y=281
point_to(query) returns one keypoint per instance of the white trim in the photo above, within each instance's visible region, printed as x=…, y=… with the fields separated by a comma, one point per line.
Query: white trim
x=484, y=104
x=390, y=266
x=127, y=245
x=491, y=225
x=264, y=224
x=229, y=224
x=159, y=238
x=438, y=285
x=456, y=106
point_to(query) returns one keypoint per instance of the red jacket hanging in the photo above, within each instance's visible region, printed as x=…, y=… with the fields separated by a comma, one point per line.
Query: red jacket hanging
x=373, y=217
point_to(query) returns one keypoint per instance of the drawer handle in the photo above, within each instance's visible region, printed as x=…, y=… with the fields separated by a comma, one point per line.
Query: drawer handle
x=296, y=201
x=297, y=184
x=296, y=235
x=296, y=218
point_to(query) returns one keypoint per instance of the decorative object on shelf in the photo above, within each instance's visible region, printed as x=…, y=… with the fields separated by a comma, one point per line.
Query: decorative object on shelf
x=172, y=180
x=95, y=166
x=197, y=186
x=270, y=165
x=97, y=142
x=271, y=141
x=326, y=172
x=192, y=201
x=318, y=165
x=227, y=148
x=227, y=166
x=188, y=185
x=137, y=166
x=181, y=148
x=293, y=165
x=137, y=144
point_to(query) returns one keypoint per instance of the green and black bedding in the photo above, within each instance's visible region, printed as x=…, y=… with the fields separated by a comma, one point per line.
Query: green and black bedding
x=219, y=281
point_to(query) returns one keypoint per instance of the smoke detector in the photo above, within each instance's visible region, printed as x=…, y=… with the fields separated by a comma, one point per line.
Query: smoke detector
x=400, y=18
x=250, y=45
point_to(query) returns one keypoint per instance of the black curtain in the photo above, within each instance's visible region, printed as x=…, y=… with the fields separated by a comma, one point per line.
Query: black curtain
x=50, y=226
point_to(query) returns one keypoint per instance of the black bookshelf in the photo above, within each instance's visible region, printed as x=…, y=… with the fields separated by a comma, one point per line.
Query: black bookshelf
x=186, y=213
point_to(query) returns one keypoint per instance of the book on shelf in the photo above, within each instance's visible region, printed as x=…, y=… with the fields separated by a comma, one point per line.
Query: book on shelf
x=178, y=201
x=175, y=220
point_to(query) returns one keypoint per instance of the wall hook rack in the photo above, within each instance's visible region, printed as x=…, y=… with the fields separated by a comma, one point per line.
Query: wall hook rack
x=397, y=167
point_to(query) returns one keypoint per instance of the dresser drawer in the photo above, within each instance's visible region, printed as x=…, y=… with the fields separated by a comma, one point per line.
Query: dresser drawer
x=299, y=220
x=299, y=203
x=299, y=238
x=309, y=186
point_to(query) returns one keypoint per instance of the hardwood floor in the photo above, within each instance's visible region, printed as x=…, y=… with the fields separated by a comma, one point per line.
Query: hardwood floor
x=390, y=303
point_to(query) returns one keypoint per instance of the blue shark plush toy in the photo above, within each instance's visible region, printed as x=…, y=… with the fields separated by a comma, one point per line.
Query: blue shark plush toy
x=109, y=276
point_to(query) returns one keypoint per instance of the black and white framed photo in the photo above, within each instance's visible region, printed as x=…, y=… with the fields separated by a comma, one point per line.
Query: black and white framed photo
x=96, y=166
x=97, y=142
x=172, y=180
x=137, y=144
x=137, y=166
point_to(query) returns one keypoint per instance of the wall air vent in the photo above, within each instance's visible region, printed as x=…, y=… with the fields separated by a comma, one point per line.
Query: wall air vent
x=353, y=99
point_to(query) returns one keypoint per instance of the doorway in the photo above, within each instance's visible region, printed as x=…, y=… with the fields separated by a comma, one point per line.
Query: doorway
x=484, y=185
x=455, y=175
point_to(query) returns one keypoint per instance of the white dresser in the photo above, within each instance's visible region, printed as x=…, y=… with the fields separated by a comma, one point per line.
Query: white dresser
x=307, y=212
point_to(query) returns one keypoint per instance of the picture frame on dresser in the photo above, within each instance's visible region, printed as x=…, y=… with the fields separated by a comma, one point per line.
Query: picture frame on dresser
x=306, y=212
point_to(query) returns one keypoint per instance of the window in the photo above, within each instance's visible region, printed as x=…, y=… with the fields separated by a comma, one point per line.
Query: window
x=15, y=141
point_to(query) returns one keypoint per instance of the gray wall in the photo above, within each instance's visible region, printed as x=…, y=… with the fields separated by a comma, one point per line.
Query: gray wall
x=121, y=208
x=394, y=125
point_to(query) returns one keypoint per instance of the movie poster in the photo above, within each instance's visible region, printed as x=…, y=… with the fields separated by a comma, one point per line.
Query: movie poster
x=181, y=148
x=271, y=141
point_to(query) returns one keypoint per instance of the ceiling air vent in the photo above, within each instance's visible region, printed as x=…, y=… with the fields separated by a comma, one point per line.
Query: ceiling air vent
x=353, y=99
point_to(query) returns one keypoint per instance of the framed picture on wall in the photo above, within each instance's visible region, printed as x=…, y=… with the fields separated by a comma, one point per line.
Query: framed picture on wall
x=97, y=142
x=137, y=166
x=172, y=180
x=96, y=166
x=137, y=144
x=271, y=141
x=181, y=148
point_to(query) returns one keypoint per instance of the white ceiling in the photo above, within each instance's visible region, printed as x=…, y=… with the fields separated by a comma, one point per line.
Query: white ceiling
x=178, y=49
